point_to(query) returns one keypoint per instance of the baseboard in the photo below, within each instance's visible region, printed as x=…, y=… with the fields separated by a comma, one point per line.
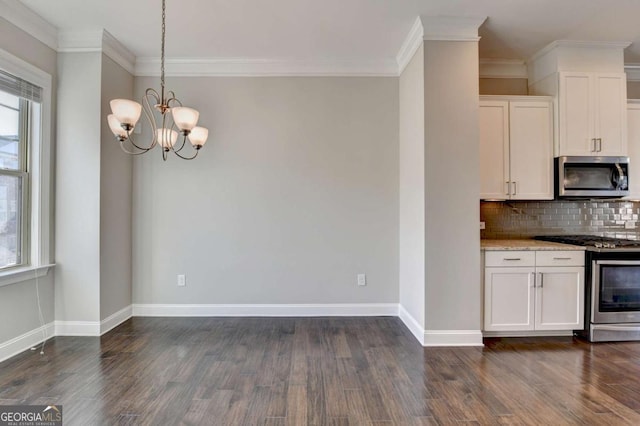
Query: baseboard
x=452, y=338
x=77, y=328
x=412, y=324
x=564, y=333
x=25, y=341
x=266, y=310
x=115, y=319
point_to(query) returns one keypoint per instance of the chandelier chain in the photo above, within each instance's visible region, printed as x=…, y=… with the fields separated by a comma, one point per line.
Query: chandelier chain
x=162, y=49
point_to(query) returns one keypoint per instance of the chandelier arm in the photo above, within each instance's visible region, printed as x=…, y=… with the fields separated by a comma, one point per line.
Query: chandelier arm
x=184, y=141
x=187, y=158
x=142, y=151
x=171, y=98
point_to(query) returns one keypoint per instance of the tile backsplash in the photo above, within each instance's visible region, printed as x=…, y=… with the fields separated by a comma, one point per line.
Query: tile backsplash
x=525, y=219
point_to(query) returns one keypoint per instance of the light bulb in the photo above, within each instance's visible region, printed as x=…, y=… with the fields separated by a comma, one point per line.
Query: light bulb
x=116, y=127
x=127, y=112
x=167, y=138
x=185, y=118
x=198, y=136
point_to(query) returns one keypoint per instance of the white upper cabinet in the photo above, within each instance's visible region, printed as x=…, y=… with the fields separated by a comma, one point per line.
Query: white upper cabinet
x=516, y=148
x=592, y=114
x=531, y=150
x=494, y=149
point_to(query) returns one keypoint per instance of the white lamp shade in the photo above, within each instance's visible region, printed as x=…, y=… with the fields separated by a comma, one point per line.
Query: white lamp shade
x=115, y=126
x=185, y=118
x=167, y=137
x=198, y=136
x=126, y=111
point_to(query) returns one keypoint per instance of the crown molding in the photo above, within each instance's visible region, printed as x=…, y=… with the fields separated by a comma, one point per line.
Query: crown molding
x=96, y=41
x=633, y=71
x=581, y=44
x=245, y=67
x=80, y=41
x=503, y=68
x=451, y=28
x=30, y=22
x=118, y=52
x=410, y=45
x=436, y=28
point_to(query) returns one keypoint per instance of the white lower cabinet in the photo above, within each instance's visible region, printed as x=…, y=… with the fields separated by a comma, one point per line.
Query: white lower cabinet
x=543, y=290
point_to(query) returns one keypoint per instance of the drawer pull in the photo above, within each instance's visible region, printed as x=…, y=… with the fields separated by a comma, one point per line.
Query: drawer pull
x=512, y=258
x=561, y=258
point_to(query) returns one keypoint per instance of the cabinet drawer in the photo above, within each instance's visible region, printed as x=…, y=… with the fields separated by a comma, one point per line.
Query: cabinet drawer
x=510, y=258
x=560, y=258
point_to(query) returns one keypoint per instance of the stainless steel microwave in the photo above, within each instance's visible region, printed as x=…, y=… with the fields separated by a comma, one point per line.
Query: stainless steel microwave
x=592, y=177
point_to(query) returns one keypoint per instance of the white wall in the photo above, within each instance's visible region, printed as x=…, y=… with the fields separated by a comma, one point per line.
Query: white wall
x=18, y=304
x=78, y=187
x=412, y=187
x=295, y=193
x=452, y=186
x=115, y=198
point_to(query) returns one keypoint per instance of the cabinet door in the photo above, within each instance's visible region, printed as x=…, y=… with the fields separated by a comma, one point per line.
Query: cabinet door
x=509, y=299
x=531, y=150
x=559, y=298
x=576, y=99
x=633, y=140
x=610, y=114
x=494, y=149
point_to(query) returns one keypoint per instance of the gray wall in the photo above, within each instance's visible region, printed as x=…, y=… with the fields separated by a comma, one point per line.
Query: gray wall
x=295, y=193
x=452, y=185
x=115, y=198
x=633, y=89
x=78, y=187
x=18, y=304
x=504, y=86
x=412, y=201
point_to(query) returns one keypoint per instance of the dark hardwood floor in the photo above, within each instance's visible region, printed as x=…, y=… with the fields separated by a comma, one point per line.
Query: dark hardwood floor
x=321, y=371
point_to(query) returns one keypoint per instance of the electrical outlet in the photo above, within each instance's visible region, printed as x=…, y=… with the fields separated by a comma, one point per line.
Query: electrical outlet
x=482, y=225
x=630, y=224
x=182, y=280
x=362, y=279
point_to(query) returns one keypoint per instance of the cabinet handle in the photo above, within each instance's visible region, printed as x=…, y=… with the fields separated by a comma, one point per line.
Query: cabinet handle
x=561, y=258
x=599, y=144
x=541, y=280
x=514, y=188
x=533, y=275
x=511, y=258
x=593, y=145
x=508, y=187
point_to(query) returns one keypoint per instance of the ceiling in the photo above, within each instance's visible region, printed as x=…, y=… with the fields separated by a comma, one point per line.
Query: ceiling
x=370, y=30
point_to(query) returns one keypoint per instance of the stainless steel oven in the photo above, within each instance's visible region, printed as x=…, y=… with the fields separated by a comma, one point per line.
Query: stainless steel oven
x=616, y=291
x=612, y=290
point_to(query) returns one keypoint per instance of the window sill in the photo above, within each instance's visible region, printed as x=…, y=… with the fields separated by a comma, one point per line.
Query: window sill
x=17, y=275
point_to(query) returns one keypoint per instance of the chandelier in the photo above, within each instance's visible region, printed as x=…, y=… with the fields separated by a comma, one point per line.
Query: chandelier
x=177, y=122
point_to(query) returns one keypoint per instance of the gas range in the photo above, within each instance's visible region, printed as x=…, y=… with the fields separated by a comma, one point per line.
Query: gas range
x=594, y=242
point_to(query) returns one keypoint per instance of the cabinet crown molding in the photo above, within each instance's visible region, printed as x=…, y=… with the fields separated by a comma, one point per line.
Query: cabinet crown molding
x=579, y=44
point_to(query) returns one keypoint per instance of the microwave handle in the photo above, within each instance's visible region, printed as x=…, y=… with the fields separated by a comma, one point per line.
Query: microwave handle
x=620, y=178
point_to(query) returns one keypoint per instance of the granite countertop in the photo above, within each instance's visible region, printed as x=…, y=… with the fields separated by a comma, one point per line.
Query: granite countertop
x=492, y=245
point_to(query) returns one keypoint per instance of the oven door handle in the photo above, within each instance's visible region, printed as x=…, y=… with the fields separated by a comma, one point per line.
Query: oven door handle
x=612, y=327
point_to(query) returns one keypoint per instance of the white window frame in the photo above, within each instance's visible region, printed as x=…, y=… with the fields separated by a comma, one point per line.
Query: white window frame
x=40, y=255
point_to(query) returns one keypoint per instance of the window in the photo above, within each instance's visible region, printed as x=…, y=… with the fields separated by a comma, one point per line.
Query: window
x=14, y=179
x=25, y=169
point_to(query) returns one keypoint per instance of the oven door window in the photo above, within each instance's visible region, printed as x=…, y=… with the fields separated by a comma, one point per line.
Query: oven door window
x=619, y=288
